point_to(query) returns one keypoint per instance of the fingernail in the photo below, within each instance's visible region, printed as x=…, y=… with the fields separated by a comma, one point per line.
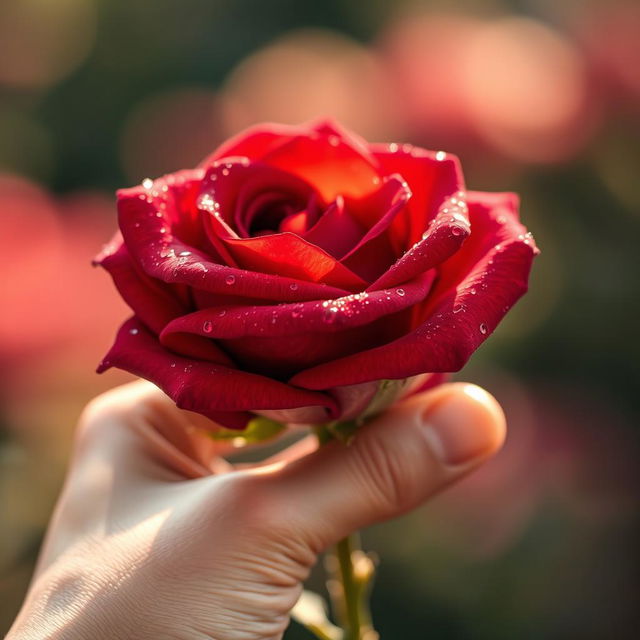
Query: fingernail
x=462, y=427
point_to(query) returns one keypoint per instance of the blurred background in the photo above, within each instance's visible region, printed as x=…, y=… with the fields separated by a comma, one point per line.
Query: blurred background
x=535, y=96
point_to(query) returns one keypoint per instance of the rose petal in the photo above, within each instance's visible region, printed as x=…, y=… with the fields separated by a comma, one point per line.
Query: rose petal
x=146, y=222
x=290, y=255
x=317, y=316
x=255, y=142
x=444, y=236
x=324, y=153
x=495, y=264
x=330, y=127
x=156, y=305
x=336, y=231
x=234, y=191
x=328, y=161
x=213, y=390
x=432, y=177
x=374, y=252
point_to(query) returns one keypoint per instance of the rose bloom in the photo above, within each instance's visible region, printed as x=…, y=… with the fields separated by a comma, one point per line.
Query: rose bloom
x=299, y=269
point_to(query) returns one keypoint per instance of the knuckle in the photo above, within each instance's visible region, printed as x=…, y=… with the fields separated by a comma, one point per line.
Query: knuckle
x=391, y=471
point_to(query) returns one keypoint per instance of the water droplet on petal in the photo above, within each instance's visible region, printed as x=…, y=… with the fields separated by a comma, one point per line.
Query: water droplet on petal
x=483, y=328
x=230, y=279
x=440, y=155
x=147, y=183
x=329, y=316
x=133, y=331
x=293, y=286
x=473, y=291
x=393, y=147
x=334, y=141
x=456, y=231
x=207, y=327
x=458, y=308
x=222, y=313
x=184, y=254
x=400, y=292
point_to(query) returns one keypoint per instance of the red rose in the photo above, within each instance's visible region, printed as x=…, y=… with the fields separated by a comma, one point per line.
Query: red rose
x=298, y=267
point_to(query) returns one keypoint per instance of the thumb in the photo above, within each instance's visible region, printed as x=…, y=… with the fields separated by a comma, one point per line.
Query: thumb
x=393, y=464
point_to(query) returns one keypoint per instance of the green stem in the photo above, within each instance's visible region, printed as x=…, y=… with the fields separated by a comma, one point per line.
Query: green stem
x=351, y=590
x=354, y=573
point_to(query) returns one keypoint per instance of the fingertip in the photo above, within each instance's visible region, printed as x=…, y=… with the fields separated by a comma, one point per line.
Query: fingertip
x=465, y=424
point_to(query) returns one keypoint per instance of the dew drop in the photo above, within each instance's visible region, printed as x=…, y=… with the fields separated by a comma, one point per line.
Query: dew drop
x=222, y=313
x=225, y=172
x=400, y=292
x=133, y=331
x=329, y=316
x=456, y=231
x=393, y=147
x=334, y=141
x=147, y=183
x=230, y=279
x=483, y=328
x=458, y=308
x=207, y=327
x=293, y=286
x=296, y=312
x=173, y=365
x=473, y=291
x=441, y=155
x=184, y=254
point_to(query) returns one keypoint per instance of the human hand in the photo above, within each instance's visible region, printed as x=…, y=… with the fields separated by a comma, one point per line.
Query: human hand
x=156, y=536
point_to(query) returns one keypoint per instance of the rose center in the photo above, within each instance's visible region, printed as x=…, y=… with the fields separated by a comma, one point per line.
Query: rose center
x=278, y=212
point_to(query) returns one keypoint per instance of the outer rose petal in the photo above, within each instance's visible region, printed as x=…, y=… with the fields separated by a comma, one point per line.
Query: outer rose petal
x=317, y=316
x=155, y=304
x=146, y=223
x=280, y=340
x=213, y=390
x=457, y=320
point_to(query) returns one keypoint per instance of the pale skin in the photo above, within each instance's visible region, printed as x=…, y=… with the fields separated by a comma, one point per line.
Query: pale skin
x=158, y=537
